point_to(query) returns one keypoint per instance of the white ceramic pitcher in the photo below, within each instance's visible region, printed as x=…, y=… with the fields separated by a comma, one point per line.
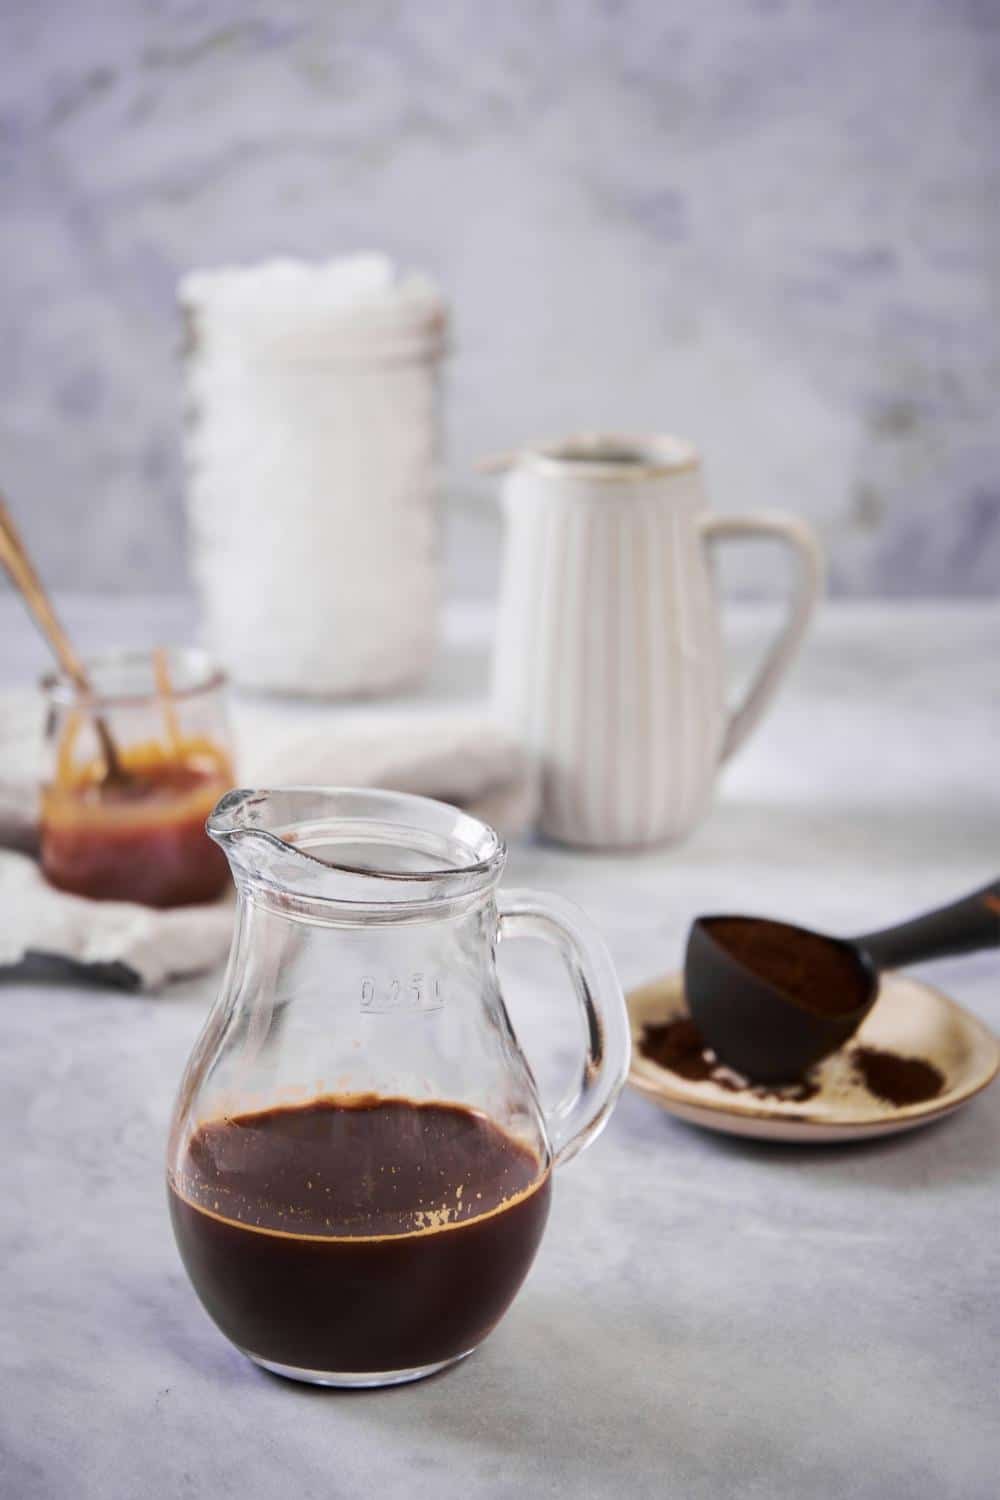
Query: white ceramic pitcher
x=609, y=653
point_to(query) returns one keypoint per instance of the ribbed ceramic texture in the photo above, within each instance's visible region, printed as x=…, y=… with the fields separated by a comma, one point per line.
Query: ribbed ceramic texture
x=608, y=660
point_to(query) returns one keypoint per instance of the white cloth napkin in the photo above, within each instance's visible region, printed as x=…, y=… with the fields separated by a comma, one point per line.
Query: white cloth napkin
x=458, y=758
x=46, y=931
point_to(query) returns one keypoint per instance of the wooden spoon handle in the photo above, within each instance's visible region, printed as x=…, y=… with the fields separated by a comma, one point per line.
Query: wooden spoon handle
x=18, y=564
x=22, y=573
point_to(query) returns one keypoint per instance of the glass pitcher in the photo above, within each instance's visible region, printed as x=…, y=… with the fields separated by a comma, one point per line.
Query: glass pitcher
x=359, y=1167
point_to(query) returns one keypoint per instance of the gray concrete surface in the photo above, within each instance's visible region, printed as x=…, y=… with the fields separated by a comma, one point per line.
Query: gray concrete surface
x=706, y=1318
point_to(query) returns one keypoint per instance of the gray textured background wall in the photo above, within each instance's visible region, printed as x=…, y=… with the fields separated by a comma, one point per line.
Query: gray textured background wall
x=770, y=226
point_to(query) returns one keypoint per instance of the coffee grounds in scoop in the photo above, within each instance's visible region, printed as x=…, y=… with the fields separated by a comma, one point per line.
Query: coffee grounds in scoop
x=818, y=973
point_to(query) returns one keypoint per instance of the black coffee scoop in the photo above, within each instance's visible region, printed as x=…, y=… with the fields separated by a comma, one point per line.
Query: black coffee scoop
x=771, y=999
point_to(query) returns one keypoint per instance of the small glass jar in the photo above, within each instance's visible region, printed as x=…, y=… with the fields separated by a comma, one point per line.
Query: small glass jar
x=142, y=838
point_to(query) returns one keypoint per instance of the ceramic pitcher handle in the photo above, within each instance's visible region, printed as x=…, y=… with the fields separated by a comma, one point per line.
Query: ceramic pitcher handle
x=805, y=596
x=578, y=1118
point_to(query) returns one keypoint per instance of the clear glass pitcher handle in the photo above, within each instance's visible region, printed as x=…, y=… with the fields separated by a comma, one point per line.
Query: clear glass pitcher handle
x=578, y=1118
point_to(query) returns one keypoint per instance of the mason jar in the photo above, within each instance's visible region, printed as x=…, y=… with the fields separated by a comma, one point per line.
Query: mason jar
x=312, y=451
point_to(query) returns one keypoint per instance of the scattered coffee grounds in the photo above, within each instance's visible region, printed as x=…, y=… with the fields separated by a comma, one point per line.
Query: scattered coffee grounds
x=678, y=1047
x=897, y=1080
x=818, y=973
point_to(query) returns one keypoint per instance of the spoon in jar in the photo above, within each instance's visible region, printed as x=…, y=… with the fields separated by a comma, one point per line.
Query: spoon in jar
x=771, y=999
x=21, y=570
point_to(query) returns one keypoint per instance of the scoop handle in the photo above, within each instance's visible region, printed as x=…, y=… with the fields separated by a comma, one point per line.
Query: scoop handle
x=963, y=926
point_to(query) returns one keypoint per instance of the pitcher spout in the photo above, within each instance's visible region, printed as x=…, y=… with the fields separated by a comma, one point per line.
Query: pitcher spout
x=354, y=847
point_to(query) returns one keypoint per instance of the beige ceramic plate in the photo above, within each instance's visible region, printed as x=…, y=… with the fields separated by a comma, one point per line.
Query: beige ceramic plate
x=910, y=1019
